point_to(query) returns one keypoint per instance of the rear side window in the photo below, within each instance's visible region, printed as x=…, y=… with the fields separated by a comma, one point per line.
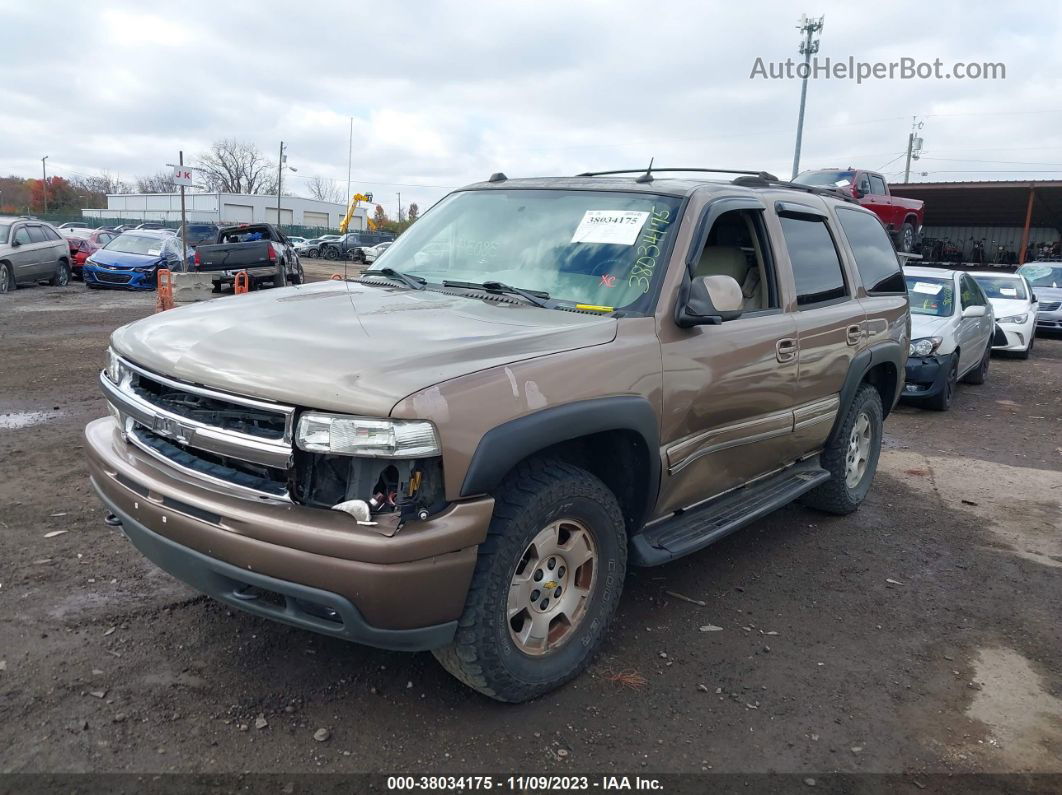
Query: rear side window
x=816, y=265
x=36, y=234
x=50, y=233
x=877, y=185
x=878, y=265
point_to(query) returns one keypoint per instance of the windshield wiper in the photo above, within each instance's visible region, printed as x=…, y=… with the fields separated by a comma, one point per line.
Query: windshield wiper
x=536, y=297
x=408, y=279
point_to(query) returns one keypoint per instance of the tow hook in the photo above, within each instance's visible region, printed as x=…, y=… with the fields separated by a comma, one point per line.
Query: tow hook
x=112, y=521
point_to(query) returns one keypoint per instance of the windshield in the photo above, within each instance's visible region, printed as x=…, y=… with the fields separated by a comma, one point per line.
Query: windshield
x=592, y=248
x=930, y=295
x=149, y=246
x=1009, y=287
x=1041, y=274
x=826, y=179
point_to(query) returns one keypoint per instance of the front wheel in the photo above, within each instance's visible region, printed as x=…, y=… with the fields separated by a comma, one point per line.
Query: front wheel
x=7, y=279
x=547, y=582
x=980, y=373
x=942, y=400
x=330, y=252
x=311, y=253
x=851, y=456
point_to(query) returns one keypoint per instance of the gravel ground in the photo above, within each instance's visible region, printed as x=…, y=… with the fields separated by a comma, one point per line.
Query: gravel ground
x=920, y=635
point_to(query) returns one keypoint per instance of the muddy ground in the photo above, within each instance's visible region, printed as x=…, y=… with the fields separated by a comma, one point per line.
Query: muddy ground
x=920, y=635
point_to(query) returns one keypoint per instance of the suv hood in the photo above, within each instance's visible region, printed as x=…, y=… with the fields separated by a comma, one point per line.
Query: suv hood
x=348, y=347
x=1047, y=294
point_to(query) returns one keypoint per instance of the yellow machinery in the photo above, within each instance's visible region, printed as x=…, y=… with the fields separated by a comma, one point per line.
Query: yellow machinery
x=355, y=200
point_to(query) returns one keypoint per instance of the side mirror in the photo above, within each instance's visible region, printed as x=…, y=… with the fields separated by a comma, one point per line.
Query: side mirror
x=973, y=311
x=16, y=243
x=1033, y=299
x=859, y=193
x=709, y=301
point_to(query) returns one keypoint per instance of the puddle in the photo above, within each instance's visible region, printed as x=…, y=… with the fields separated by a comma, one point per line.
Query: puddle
x=1021, y=506
x=25, y=419
x=1024, y=719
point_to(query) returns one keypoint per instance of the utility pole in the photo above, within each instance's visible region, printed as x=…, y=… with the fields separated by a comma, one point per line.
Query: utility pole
x=809, y=45
x=350, y=150
x=44, y=183
x=281, y=277
x=400, y=207
x=914, y=147
x=184, y=223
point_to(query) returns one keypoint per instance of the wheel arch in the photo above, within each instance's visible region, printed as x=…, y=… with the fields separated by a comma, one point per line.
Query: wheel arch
x=881, y=366
x=614, y=438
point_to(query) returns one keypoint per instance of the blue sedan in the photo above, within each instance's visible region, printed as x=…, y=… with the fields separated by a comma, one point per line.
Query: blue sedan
x=132, y=260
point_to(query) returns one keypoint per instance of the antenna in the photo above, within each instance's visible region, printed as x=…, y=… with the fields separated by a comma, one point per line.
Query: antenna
x=648, y=175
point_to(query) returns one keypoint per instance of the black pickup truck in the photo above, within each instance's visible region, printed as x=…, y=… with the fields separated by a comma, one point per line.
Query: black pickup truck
x=353, y=245
x=260, y=249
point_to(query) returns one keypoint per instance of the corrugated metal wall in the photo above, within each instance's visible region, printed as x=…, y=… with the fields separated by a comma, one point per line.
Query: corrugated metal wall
x=993, y=236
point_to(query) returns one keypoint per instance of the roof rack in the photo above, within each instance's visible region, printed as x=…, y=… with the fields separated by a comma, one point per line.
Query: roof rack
x=648, y=172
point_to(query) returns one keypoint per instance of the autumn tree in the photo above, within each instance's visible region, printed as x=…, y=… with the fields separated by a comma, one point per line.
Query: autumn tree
x=232, y=166
x=379, y=217
x=413, y=213
x=60, y=196
x=325, y=190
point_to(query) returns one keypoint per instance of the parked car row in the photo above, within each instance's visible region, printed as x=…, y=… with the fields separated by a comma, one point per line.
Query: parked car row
x=958, y=318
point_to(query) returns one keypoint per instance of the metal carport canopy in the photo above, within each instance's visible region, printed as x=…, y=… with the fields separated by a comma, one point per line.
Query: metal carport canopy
x=997, y=203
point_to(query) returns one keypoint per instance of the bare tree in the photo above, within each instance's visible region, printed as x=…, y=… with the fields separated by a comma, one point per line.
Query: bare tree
x=105, y=183
x=232, y=166
x=414, y=212
x=162, y=182
x=325, y=190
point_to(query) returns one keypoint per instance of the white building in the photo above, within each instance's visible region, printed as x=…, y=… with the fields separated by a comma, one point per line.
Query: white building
x=227, y=208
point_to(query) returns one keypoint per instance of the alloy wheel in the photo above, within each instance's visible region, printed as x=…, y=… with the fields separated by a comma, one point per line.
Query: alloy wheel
x=858, y=454
x=5, y=278
x=550, y=589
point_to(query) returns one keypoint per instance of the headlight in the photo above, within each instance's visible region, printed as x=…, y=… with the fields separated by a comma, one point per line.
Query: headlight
x=342, y=434
x=1019, y=319
x=112, y=366
x=924, y=346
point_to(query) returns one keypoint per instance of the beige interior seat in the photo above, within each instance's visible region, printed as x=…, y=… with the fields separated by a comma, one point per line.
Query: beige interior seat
x=731, y=261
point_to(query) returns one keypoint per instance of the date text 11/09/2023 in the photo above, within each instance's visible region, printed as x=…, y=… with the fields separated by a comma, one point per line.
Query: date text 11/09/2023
x=522, y=784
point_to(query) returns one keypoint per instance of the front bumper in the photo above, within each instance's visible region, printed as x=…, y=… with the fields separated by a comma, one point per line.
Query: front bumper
x=925, y=376
x=118, y=279
x=1012, y=337
x=1049, y=321
x=308, y=567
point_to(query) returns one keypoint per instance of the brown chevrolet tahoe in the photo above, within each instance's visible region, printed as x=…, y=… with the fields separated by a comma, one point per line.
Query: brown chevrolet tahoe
x=541, y=382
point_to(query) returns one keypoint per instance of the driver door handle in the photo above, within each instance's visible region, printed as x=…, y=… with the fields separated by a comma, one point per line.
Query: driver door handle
x=854, y=335
x=785, y=350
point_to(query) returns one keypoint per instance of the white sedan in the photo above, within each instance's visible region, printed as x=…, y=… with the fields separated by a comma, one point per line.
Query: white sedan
x=371, y=254
x=952, y=324
x=1015, y=308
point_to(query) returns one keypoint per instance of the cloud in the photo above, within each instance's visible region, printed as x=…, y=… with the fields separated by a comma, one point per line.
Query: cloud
x=445, y=93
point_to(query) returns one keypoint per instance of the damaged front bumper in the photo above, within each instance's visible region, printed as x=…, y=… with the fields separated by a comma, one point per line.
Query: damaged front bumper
x=925, y=376
x=305, y=566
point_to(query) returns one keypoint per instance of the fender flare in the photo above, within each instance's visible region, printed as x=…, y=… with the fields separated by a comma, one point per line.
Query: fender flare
x=506, y=445
x=862, y=363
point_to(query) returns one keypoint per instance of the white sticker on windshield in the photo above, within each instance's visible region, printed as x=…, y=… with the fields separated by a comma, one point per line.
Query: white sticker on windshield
x=619, y=227
x=154, y=252
x=927, y=287
x=1008, y=291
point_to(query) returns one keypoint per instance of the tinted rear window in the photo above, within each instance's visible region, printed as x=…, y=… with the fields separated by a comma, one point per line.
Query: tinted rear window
x=816, y=265
x=875, y=257
x=36, y=234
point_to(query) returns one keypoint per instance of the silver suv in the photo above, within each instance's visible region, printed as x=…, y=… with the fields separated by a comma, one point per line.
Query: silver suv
x=31, y=251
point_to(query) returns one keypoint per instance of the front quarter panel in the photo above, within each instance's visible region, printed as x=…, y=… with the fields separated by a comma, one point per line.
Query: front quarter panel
x=465, y=409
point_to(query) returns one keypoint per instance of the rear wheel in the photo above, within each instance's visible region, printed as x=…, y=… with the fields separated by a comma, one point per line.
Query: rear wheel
x=7, y=279
x=980, y=373
x=851, y=456
x=905, y=241
x=61, y=276
x=311, y=253
x=547, y=581
x=330, y=252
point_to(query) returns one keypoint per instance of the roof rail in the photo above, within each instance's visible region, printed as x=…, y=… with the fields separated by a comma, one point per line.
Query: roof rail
x=762, y=174
x=821, y=190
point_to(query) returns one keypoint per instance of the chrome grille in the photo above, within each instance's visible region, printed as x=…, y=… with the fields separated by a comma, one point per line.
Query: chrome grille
x=242, y=444
x=113, y=278
x=1049, y=306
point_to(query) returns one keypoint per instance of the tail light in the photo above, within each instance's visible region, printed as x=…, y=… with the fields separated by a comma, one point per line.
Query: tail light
x=272, y=253
x=197, y=262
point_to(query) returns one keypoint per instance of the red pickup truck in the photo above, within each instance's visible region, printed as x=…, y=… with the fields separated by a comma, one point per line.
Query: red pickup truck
x=901, y=217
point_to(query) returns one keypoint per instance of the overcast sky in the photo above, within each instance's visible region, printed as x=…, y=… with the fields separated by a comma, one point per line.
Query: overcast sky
x=443, y=94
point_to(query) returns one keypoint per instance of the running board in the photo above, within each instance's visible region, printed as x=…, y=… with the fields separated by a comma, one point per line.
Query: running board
x=695, y=529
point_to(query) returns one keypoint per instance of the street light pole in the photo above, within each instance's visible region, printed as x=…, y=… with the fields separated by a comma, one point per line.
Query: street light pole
x=44, y=183
x=400, y=207
x=281, y=276
x=808, y=47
